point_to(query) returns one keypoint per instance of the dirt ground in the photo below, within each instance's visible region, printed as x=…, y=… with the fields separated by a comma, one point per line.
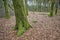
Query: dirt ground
x=43, y=28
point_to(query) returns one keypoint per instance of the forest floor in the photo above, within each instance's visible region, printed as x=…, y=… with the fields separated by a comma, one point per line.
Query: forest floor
x=43, y=28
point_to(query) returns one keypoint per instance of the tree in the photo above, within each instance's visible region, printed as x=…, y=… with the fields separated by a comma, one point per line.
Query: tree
x=21, y=17
x=7, y=15
x=26, y=6
x=52, y=7
x=0, y=4
x=56, y=6
x=39, y=7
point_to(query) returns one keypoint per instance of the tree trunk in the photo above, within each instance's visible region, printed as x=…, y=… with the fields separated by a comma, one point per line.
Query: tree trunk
x=7, y=15
x=56, y=7
x=52, y=8
x=21, y=17
x=26, y=6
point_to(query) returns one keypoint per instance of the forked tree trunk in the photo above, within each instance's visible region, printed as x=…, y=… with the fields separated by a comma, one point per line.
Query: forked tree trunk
x=7, y=15
x=21, y=17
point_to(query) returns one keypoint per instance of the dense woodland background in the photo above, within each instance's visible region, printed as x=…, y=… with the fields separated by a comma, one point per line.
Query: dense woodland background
x=33, y=5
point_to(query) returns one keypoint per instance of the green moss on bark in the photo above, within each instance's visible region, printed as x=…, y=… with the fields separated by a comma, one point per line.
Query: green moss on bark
x=21, y=16
x=56, y=7
x=7, y=15
x=52, y=8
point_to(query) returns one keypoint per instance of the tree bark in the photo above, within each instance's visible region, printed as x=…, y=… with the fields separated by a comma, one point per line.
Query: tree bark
x=21, y=17
x=56, y=7
x=26, y=6
x=7, y=15
x=52, y=8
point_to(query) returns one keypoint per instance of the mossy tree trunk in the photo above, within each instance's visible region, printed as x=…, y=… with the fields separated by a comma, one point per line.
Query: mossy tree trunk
x=39, y=5
x=21, y=17
x=52, y=8
x=26, y=6
x=7, y=15
x=56, y=7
